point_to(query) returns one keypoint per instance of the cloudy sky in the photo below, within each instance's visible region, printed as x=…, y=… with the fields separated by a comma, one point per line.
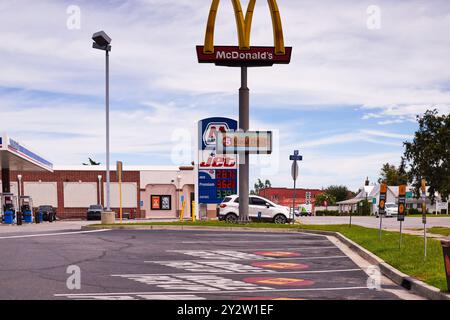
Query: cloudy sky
x=348, y=100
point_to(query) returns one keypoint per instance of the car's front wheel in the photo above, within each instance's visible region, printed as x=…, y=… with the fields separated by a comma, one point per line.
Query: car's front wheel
x=280, y=219
x=231, y=218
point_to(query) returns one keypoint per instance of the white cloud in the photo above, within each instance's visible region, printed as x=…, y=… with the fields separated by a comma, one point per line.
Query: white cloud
x=157, y=85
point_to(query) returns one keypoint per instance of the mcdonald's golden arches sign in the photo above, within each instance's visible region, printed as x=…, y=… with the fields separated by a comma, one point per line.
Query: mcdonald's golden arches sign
x=244, y=53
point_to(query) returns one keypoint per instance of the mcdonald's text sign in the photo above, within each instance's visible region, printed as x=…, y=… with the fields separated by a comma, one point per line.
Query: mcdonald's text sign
x=244, y=54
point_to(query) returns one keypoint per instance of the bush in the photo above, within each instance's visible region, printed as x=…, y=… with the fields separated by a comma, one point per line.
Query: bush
x=415, y=211
x=363, y=209
x=327, y=213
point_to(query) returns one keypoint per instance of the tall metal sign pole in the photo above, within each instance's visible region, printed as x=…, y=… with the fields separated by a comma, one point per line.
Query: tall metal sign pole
x=423, y=188
x=382, y=205
x=401, y=208
x=294, y=172
x=244, y=166
x=244, y=56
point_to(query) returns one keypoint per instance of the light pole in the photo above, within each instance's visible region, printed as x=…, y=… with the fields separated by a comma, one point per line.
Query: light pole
x=102, y=42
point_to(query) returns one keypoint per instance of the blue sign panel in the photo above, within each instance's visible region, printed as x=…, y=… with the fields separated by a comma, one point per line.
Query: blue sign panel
x=207, y=131
x=217, y=174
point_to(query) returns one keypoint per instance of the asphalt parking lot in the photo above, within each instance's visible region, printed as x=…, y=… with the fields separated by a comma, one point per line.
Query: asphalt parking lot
x=186, y=265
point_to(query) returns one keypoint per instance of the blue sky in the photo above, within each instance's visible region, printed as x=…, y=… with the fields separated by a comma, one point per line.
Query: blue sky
x=348, y=100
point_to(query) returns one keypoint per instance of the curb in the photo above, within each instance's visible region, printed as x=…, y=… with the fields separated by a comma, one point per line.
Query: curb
x=398, y=277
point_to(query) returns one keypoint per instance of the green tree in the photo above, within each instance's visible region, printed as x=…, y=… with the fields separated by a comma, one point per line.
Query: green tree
x=428, y=155
x=321, y=198
x=259, y=185
x=339, y=193
x=393, y=176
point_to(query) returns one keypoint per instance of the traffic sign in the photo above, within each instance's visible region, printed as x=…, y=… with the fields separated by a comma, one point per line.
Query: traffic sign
x=382, y=202
x=294, y=170
x=296, y=158
x=401, y=203
x=382, y=205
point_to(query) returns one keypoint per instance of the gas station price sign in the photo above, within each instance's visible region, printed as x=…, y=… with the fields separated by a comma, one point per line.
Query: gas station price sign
x=226, y=183
x=217, y=172
x=215, y=185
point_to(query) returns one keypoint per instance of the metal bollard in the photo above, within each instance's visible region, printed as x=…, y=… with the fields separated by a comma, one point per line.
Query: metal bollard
x=446, y=250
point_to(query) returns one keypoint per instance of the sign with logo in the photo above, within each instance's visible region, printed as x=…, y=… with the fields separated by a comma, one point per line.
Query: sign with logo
x=244, y=54
x=382, y=202
x=217, y=173
x=423, y=188
x=401, y=203
x=252, y=142
x=23, y=152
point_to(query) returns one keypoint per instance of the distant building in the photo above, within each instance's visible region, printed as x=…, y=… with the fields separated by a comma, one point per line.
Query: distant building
x=147, y=191
x=285, y=196
x=372, y=194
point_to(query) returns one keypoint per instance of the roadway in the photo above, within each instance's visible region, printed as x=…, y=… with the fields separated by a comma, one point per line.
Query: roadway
x=186, y=265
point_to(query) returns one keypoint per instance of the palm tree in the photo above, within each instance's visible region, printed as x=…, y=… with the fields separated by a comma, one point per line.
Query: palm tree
x=267, y=184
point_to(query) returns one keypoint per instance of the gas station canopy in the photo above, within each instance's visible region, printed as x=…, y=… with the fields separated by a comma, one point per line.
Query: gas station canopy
x=16, y=157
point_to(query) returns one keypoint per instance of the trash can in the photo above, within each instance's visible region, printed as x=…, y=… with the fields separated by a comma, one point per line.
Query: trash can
x=446, y=251
x=27, y=217
x=8, y=217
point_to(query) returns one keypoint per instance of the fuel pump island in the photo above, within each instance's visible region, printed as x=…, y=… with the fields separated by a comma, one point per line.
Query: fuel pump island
x=15, y=207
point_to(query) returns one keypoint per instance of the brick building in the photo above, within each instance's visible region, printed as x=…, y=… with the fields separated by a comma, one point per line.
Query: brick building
x=147, y=192
x=284, y=196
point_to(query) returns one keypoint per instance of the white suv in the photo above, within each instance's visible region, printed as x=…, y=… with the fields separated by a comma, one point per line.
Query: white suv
x=391, y=209
x=259, y=209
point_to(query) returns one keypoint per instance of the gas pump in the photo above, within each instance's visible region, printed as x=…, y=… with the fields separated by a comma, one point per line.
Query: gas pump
x=8, y=207
x=26, y=207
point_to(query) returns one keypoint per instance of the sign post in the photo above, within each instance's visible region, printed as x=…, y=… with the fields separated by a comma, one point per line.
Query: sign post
x=119, y=175
x=294, y=173
x=401, y=208
x=243, y=57
x=423, y=188
x=382, y=205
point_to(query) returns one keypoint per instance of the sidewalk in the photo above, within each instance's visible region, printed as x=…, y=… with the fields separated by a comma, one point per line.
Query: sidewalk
x=63, y=225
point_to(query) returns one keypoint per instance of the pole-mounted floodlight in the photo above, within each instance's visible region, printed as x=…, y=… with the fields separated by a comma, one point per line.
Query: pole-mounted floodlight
x=102, y=42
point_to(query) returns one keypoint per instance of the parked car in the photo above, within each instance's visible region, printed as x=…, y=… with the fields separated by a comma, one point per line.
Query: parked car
x=259, y=209
x=94, y=212
x=48, y=213
x=391, y=210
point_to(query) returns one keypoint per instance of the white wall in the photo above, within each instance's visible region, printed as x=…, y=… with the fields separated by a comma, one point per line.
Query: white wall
x=14, y=187
x=129, y=194
x=80, y=195
x=42, y=193
x=166, y=177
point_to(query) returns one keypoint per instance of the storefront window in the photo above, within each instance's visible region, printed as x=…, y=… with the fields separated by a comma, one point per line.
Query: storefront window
x=161, y=202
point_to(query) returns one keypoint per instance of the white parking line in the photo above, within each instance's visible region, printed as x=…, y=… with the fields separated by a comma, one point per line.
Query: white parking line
x=258, y=241
x=272, y=258
x=208, y=292
x=51, y=234
x=265, y=249
x=262, y=234
x=236, y=273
